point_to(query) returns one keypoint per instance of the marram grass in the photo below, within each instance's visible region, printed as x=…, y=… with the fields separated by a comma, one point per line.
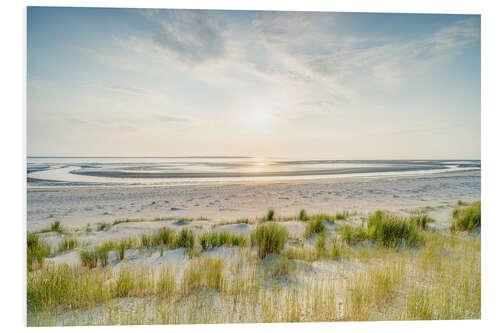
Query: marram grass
x=440, y=279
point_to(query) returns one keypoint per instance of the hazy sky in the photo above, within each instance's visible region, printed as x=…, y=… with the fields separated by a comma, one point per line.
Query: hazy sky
x=134, y=82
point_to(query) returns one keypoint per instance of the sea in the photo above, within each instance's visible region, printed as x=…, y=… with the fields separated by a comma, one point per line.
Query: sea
x=192, y=170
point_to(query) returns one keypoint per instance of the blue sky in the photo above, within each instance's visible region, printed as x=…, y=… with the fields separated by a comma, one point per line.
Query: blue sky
x=137, y=82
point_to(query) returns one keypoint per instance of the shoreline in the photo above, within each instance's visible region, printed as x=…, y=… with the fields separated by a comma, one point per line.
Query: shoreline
x=353, y=179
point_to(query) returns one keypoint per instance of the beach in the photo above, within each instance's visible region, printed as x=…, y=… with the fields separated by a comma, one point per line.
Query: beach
x=104, y=217
x=77, y=207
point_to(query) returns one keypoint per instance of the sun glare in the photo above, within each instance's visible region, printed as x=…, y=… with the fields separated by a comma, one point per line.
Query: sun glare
x=257, y=117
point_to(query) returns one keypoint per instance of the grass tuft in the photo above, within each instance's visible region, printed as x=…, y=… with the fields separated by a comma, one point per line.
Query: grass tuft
x=467, y=218
x=37, y=251
x=67, y=244
x=391, y=231
x=185, y=239
x=269, y=238
x=314, y=227
x=214, y=239
x=303, y=215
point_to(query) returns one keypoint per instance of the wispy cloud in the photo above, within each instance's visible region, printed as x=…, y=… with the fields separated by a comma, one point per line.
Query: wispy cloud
x=190, y=36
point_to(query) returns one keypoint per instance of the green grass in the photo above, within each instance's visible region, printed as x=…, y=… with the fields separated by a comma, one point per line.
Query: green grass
x=56, y=227
x=392, y=231
x=37, y=251
x=121, y=250
x=354, y=235
x=303, y=215
x=322, y=217
x=67, y=244
x=439, y=280
x=89, y=258
x=210, y=240
x=467, y=218
x=314, y=227
x=270, y=238
x=270, y=216
x=387, y=230
x=420, y=220
x=185, y=239
x=164, y=236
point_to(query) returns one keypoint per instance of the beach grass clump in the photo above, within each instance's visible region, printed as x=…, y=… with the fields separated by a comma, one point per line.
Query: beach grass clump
x=270, y=238
x=146, y=241
x=270, y=216
x=90, y=258
x=67, y=244
x=392, y=231
x=55, y=226
x=124, y=244
x=421, y=220
x=466, y=219
x=37, y=251
x=204, y=273
x=164, y=236
x=322, y=217
x=121, y=250
x=303, y=215
x=210, y=240
x=185, y=239
x=354, y=235
x=314, y=227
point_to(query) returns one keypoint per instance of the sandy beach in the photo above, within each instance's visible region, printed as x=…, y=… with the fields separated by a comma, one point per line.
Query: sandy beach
x=108, y=215
x=77, y=207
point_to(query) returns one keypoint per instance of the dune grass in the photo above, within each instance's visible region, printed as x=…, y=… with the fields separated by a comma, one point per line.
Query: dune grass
x=314, y=227
x=392, y=231
x=354, y=235
x=37, y=251
x=303, y=215
x=441, y=279
x=466, y=219
x=162, y=236
x=210, y=240
x=185, y=239
x=270, y=238
x=387, y=230
x=67, y=244
x=269, y=217
x=204, y=273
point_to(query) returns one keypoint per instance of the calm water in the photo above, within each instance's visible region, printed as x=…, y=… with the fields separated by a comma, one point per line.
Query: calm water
x=100, y=171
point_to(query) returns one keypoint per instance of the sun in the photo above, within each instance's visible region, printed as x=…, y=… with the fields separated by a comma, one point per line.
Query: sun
x=258, y=118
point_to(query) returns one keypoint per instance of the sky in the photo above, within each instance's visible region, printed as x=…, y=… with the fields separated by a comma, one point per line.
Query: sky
x=160, y=82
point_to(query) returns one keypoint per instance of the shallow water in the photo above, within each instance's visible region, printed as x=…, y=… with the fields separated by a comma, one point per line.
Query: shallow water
x=101, y=171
